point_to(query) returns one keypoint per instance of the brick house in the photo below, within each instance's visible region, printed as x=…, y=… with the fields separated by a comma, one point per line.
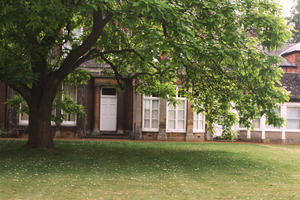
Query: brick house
x=290, y=111
x=118, y=114
x=114, y=113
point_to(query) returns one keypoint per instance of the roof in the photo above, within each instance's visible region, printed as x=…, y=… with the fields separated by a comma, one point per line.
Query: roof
x=291, y=82
x=282, y=49
x=286, y=63
x=292, y=49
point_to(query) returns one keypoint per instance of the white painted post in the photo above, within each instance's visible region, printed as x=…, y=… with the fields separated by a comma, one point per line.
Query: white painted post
x=284, y=116
x=248, y=134
x=263, y=127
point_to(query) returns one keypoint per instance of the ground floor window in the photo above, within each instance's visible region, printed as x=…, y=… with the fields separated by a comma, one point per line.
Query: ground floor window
x=176, y=116
x=71, y=91
x=199, y=122
x=150, y=113
x=293, y=118
x=272, y=127
x=256, y=123
x=23, y=119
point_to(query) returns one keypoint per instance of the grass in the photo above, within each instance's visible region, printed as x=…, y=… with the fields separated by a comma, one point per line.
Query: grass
x=149, y=170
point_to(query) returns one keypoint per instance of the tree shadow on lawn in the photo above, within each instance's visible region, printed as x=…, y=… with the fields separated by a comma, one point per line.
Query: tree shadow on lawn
x=125, y=158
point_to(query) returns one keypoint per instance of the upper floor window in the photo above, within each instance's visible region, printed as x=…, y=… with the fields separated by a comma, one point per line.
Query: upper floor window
x=150, y=113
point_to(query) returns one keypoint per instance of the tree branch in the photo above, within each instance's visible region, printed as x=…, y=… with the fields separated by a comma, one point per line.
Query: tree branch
x=114, y=68
x=23, y=90
x=99, y=54
x=67, y=65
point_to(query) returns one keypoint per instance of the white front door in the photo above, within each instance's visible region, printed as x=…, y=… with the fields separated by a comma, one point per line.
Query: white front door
x=108, y=110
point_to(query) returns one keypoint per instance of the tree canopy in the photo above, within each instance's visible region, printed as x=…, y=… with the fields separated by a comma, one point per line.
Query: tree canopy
x=295, y=21
x=215, y=48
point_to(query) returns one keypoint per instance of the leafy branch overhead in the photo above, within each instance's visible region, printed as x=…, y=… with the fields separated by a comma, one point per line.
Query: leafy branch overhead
x=214, y=48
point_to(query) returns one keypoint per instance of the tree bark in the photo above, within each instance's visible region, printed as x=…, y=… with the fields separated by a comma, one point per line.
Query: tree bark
x=40, y=131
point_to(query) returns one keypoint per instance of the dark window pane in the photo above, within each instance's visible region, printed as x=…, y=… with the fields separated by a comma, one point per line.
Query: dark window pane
x=155, y=95
x=109, y=91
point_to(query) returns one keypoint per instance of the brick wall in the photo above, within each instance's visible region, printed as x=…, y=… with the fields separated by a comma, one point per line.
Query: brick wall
x=293, y=58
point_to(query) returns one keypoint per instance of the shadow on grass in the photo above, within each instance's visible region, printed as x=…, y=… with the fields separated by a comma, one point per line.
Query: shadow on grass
x=123, y=158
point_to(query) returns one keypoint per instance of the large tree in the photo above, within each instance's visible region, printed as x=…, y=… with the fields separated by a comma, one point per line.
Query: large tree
x=215, y=47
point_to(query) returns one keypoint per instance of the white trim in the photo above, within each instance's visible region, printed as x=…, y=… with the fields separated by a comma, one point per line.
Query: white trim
x=199, y=121
x=109, y=96
x=151, y=98
x=291, y=104
x=26, y=122
x=23, y=122
x=176, y=116
x=248, y=134
x=263, y=127
x=260, y=125
x=283, y=115
x=274, y=129
x=65, y=122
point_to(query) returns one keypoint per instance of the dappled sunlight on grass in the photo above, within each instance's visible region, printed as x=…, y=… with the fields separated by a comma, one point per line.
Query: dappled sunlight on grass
x=147, y=170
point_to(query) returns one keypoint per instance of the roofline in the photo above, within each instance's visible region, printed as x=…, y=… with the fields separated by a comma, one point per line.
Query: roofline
x=294, y=66
x=288, y=53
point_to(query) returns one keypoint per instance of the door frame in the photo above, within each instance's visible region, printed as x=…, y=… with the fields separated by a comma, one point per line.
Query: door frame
x=116, y=96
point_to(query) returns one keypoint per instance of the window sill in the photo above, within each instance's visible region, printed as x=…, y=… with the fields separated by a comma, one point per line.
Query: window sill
x=176, y=131
x=68, y=123
x=150, y=130
x=274, y=130
x=199, y=131
x=292, y=130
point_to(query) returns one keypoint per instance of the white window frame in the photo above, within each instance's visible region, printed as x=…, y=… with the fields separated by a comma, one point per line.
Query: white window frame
x=260, y=124
x=199, y=122
x=151, y=98
x=176, y=130
x=291, y=104
x=254, y=128
x=23, y=122
x=26, y=122
x=65, y=122
x=273, y=129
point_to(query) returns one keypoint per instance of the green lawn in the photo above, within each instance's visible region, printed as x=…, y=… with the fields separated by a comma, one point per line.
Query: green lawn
x=149, y=170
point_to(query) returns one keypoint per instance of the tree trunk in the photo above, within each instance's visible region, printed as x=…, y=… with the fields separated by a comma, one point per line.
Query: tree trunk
x=40, y=132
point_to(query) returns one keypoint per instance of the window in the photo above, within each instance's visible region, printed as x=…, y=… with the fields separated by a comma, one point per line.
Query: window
x=271, y=127
x=256, y=123
x=23, y=119
x=293, y=118
x=176, y=116
x=69, y=119
x=150, y=113
x=199, y=122
x=109, y=91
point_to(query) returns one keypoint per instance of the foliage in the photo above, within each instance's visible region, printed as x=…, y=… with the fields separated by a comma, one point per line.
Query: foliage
x=214, y=48
x=149, y=170
x=62, y=102
x=295, y=21
x=3, y=132
x=228, y=134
